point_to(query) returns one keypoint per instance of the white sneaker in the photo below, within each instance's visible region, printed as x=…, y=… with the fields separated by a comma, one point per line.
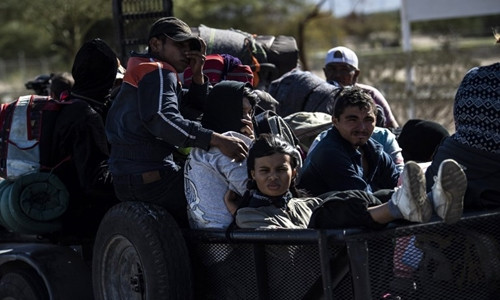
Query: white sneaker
x=448, y=191
x=411, y=197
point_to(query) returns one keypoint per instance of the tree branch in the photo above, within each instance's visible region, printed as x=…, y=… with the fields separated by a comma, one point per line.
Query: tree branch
x=301, y=39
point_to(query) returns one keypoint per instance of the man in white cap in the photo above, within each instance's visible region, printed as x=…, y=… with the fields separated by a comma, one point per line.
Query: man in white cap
x=145, y=125
x=341, y=68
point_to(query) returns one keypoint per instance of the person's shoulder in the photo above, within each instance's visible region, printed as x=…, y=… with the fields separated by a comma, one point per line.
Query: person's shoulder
x=493, y=68
x=373, y=91
x=329, y=148
x=214, y=155
x=77, y=105
x=242, y=137
x=77, y=111
x=143, y=64
x=366, y=87
x=382, y=133
x=307, y=199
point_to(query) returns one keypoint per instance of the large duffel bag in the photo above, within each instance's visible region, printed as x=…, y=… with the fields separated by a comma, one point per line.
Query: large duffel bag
x=300, y=90
x=269, y=56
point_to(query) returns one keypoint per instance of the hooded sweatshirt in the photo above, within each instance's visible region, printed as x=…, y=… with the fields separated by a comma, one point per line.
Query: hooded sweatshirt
x=223, y=111
x=94, y=71
x=79, y=144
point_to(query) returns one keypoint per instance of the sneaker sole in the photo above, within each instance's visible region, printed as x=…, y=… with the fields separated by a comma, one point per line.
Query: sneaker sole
x=417, y=189
x=454, y=184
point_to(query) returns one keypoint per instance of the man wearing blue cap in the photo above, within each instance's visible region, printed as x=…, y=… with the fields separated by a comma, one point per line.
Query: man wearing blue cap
x=147, y=121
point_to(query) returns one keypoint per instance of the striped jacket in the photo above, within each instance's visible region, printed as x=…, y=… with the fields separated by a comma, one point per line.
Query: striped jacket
x=145, y=124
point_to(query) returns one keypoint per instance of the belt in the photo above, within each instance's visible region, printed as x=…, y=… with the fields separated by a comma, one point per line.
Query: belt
x=142, y=178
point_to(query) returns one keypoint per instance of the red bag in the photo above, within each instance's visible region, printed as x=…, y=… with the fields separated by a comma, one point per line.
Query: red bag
x=26, y=127
x=241, y=73
x=216, y=68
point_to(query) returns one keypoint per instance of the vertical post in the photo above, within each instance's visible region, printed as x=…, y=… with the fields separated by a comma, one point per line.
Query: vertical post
x=358, y=257
x=405, y=27
x=406, y=43
x=259, y=253
x=326, y=272
x=119, y=23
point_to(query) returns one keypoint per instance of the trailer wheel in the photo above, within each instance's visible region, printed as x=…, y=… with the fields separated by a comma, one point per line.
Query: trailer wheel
x=22, y=284
x=140, y=253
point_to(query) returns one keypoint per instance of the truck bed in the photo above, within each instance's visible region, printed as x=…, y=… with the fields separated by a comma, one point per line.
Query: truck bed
x=459, y=261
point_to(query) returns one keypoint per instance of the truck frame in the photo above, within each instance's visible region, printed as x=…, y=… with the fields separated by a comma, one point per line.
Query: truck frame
x=139, y=252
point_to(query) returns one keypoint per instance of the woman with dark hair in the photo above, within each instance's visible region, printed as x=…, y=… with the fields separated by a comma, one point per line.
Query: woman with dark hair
x=272, y=200
x=209, y=174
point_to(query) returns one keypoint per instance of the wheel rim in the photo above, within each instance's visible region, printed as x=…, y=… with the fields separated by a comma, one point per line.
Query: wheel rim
x=22, y=284
x=122, y=274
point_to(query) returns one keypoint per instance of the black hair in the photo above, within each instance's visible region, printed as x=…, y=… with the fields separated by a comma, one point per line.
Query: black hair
x=94, y=71
x=162, y=37
x=61, y=82
x=352, y=96
x=224, y=106
x=251, y=95
x=269, y=144
x=419, y=139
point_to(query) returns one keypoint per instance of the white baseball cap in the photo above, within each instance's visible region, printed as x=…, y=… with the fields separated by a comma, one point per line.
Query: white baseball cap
x=342, y=55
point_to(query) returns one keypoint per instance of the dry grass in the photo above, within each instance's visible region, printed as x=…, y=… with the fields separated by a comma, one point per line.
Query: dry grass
x=436, y=74
x=436, y=77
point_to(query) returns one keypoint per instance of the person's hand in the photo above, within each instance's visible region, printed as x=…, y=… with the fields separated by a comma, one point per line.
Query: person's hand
x=232, y=147
x=230, y=198
x=247, y=129
x=197, y=61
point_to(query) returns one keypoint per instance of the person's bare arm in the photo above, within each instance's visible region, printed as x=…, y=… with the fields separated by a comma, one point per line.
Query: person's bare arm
x=230, y=199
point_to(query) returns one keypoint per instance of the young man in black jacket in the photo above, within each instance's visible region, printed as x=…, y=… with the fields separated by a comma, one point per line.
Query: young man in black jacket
x=147, y=120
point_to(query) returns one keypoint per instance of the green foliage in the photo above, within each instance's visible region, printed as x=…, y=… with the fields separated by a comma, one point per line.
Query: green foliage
x=324, y=33
x=17, y=38
x=59, y=27
x=62, y=24
x=254, y=16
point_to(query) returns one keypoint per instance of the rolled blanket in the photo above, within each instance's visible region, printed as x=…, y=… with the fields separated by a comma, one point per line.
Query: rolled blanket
x=33, y=203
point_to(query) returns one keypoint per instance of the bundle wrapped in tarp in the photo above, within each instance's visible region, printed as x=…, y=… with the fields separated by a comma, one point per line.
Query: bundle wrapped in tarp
x=300, y=90
x=233, y=42
x=268, y=56
x=33, y=203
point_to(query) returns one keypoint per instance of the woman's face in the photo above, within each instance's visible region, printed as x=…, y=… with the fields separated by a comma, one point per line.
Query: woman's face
x=247, y=109
x=273, y=174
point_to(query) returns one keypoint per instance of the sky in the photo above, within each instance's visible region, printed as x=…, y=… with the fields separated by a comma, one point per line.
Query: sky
x=344, y=7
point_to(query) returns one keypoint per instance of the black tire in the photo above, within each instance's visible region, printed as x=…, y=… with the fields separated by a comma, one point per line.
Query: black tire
x=140, y=253
x=22, y=284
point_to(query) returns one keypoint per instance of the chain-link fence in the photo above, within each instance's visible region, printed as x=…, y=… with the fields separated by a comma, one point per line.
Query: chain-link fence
x=404, y=261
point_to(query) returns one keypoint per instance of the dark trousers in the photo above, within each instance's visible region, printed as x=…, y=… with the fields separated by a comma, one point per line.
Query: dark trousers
x=348, y=209
x=167, y=191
